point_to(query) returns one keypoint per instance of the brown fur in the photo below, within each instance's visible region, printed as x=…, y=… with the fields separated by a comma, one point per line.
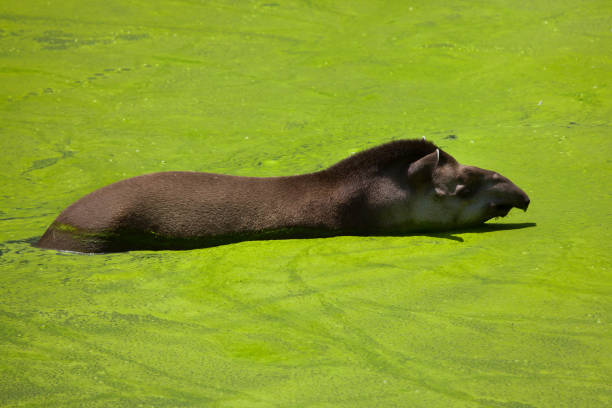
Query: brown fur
x=183, y=210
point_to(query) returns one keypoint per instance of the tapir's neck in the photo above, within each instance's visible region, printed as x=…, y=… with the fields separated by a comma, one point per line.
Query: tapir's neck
x=332, y=202
x=308, y=201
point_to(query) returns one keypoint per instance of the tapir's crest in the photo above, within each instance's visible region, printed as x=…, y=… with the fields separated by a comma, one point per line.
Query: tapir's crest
x=396, y=188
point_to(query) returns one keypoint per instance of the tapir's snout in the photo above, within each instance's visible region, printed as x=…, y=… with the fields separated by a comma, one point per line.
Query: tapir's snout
x=521, y=199
x=511, y=196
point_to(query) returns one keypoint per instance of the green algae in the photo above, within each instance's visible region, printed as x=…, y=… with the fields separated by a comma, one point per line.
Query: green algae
x=508, y=317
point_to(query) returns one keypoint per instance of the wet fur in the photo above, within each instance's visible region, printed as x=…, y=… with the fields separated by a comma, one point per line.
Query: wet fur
x=367, y=193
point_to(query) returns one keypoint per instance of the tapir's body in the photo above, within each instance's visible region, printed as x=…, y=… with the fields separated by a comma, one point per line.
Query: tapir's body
x=399, y=187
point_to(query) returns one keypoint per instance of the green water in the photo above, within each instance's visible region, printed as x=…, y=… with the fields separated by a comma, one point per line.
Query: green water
x=93, y=93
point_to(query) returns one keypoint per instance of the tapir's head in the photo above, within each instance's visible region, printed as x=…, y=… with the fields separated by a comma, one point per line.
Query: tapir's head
x=446, y=194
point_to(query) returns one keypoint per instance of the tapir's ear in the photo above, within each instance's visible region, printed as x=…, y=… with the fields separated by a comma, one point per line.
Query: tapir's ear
x=422, y=169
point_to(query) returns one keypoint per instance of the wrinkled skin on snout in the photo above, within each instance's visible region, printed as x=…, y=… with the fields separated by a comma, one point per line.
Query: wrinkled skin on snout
x=442, y=194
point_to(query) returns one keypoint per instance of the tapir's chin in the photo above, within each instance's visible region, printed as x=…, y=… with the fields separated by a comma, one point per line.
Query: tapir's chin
x=497, y=210
x=500, y=209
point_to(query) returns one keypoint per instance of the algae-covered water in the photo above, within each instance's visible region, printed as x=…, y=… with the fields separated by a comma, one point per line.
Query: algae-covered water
x=94, y=92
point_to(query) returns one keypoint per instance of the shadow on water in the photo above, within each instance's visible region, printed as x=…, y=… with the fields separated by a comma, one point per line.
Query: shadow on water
x=451, y=235
x=480, y=229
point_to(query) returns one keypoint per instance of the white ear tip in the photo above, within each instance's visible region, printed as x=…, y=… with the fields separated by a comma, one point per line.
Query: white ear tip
x=438, y=154
x=423, y=137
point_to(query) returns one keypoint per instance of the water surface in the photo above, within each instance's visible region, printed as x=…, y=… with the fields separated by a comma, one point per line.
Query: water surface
x=504, y=317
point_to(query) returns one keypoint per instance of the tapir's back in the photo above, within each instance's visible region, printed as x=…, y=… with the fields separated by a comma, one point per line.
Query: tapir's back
x=181, y=205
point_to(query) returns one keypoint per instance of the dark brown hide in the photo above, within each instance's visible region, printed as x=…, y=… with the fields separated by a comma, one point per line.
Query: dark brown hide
x=373, y=192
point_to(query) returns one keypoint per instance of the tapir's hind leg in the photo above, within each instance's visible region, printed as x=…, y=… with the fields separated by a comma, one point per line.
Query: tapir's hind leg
x=63, y=240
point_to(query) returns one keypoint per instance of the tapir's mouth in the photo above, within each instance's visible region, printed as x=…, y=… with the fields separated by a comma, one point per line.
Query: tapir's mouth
x=500, y=209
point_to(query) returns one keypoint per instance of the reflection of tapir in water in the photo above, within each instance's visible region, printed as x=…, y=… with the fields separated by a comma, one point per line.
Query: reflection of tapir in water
x=399, y=187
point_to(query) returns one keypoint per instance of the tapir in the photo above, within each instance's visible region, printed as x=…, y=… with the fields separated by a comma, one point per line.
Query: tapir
x=401, y=187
